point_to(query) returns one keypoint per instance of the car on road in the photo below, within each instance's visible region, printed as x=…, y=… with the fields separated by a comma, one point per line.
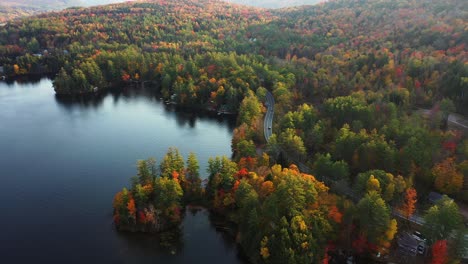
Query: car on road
x=269, y=127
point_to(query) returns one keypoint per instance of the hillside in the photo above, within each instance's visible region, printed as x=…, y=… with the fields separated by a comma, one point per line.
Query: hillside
x=346, y=77
x=275, y=3
x=12, y=9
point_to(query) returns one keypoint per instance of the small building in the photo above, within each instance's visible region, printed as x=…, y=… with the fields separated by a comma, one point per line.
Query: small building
x=434, y=197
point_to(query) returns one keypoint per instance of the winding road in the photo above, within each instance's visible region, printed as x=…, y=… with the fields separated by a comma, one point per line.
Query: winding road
x=268, y=122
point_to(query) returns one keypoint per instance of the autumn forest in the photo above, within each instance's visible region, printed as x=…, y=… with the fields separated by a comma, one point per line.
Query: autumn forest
x=369, y=100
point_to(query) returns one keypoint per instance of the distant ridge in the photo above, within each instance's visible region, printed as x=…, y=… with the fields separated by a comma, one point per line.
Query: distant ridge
x=276, y=3
x=12, y=9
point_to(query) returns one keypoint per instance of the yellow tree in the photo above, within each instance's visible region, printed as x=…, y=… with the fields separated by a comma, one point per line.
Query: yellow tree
x=373, y=184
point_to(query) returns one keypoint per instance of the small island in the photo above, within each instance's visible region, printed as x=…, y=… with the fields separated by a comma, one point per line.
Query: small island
x=157, y=196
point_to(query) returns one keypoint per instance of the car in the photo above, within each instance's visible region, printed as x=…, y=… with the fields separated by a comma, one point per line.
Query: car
x=269, y=127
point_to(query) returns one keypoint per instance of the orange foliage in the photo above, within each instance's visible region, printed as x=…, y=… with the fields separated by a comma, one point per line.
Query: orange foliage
x=213, y=95
x=248, y=162
x=409, y=205
x=267, y=188
x=16, y=69
x=335, y=214
x=236, y=186
x=131, y=208
x=148, y=188
x=175, y=176
x=242, y=173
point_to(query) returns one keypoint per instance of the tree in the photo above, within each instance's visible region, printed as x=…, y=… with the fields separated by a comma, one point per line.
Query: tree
x=441, y=220
x=446, y=107
x=373, y=215
x=131, y=208
x=447, y=177
x=167, y=196
x=249, y=109
x=292, y=143
x=325, y=167
x=246, y=148
x=409, y=203
x=193, y=176
x=171, y=162
x=373, y=184
x=439, y=252
x=146, y=171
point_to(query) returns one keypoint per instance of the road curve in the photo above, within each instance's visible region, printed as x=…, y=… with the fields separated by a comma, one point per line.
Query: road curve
x=268, y=122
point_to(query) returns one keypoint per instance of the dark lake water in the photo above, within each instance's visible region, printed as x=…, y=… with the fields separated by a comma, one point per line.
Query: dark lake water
x=61, y=162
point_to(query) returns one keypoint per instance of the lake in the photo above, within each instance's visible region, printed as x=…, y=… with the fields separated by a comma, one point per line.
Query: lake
x=62, y=161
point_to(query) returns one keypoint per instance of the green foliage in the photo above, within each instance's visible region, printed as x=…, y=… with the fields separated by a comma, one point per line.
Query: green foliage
x=347, y=109
x=172, y=162
x=246, y=148
x=374, y=216
x=250, y=109
x=193, y=181
x=324, y=166
x=441, y=220
x=292, y=143
x=167, y=193
x=221, y=174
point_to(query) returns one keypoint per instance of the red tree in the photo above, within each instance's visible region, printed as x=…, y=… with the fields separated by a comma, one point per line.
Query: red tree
x=439, y=252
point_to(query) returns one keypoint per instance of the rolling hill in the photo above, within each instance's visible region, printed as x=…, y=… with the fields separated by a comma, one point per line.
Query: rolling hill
x=11, y=9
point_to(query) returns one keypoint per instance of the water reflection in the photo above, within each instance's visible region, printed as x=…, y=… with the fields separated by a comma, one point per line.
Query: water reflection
x=183, y=116
x=63, y=160
x=198, y=238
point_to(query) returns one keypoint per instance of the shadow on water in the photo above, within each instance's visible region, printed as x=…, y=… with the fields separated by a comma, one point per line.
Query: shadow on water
x=166, y=243
x=199, y=229
x=31, y=79
x=183, y=116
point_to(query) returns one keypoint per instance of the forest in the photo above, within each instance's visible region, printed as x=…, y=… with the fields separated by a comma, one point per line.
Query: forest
x=363, y=94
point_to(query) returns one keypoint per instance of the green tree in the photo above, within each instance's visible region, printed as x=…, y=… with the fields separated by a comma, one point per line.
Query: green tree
x=441, y=220
x=250, y=108
x=167, y=194
x=246, y=148
x=373, y=215
x=292, y=143
x=193, y=177
x=324, y=166
x=172, y=162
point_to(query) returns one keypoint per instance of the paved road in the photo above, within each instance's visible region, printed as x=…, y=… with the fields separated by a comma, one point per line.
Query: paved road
x=453, y=119
x=268, y=122
x=458, y=120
